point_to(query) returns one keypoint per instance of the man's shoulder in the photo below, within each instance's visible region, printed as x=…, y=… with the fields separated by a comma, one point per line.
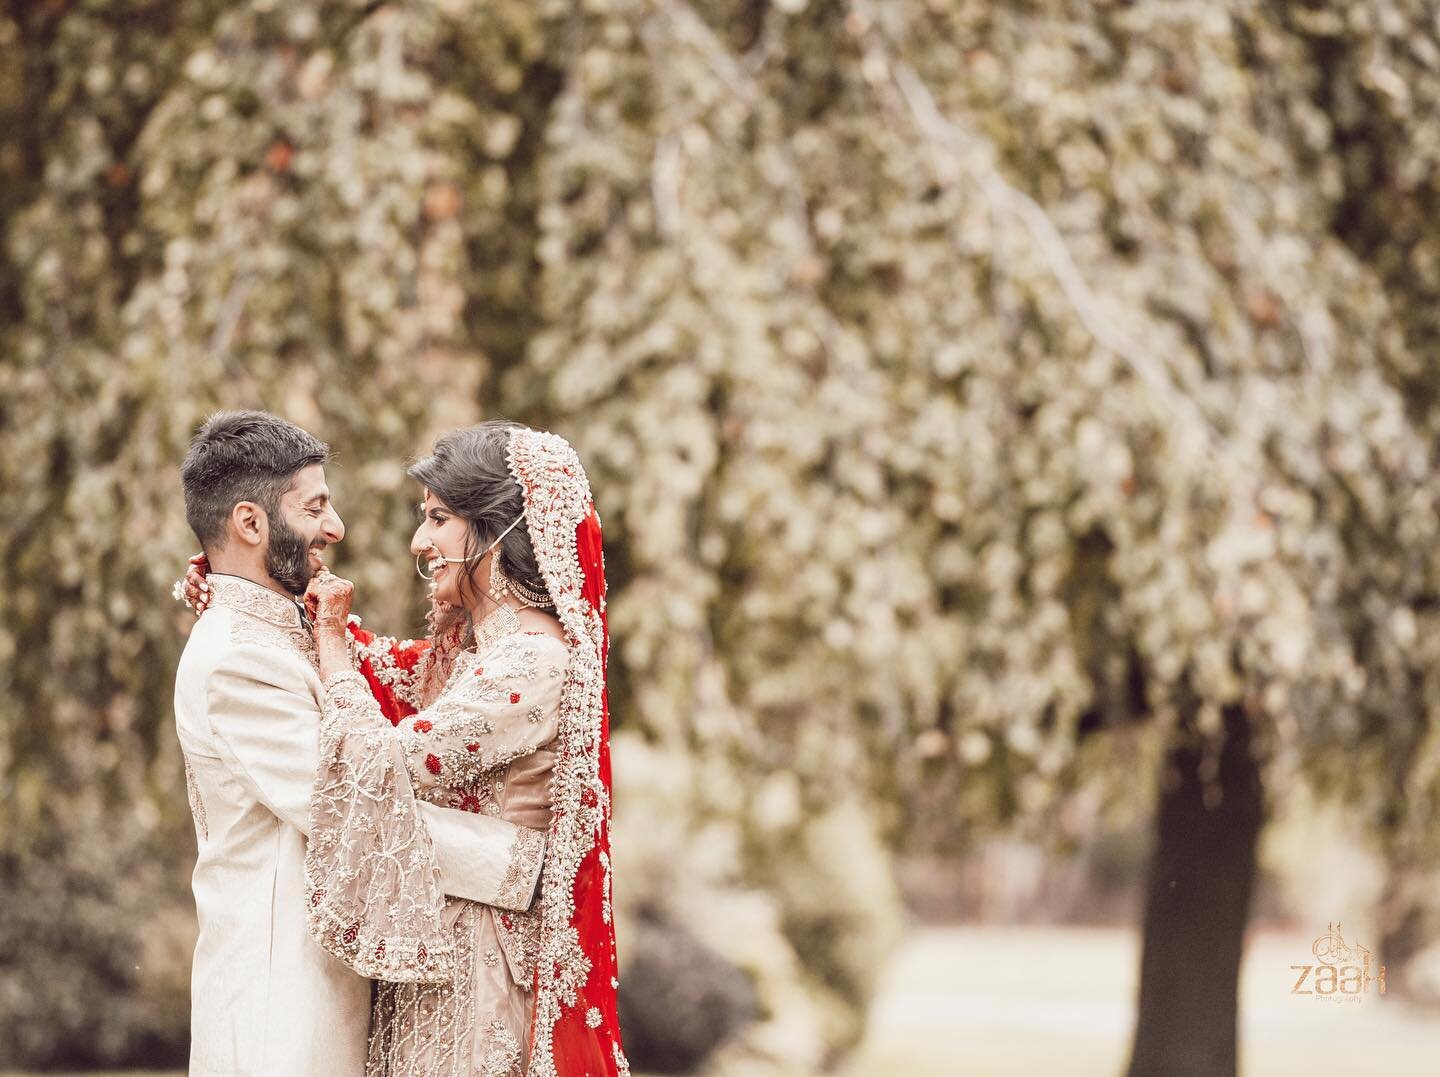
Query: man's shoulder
x=226, y=642
x=207, y=645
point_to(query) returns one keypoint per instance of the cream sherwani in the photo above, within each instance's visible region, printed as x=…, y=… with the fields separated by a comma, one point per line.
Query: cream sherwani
x=266, y=1000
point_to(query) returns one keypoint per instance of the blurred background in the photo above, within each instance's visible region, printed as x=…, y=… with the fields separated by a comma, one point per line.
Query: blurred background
x=1014, y=425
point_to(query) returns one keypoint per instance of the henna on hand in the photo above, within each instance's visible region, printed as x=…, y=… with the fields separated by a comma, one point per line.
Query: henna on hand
x=194, y=589
x=327, y=602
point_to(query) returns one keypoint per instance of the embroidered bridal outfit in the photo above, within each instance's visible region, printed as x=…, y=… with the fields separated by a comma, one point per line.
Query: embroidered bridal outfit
x=514, y=727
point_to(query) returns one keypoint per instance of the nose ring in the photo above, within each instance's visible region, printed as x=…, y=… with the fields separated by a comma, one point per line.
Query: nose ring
x=422, y=562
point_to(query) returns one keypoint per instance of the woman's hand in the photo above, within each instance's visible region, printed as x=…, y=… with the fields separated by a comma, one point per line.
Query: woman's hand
x=193, y=590
x=327, y=601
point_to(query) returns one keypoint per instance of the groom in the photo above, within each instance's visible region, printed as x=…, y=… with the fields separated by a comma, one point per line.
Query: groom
x=266, y=1000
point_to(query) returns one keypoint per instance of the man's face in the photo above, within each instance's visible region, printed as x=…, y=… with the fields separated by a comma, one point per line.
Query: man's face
x=306, y=524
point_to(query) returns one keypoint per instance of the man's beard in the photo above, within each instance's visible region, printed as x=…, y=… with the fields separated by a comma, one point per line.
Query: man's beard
x=287, y=558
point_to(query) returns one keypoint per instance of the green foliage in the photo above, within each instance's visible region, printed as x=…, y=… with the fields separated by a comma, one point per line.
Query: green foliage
x=956, y=379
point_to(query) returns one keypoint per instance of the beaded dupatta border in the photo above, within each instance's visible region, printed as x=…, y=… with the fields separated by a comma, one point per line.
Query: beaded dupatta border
x=557, y=502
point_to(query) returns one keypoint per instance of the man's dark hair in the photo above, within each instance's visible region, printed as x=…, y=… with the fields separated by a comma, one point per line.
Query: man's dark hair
x=242, y=456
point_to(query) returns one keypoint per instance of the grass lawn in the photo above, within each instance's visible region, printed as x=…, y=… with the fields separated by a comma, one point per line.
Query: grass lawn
x=1017, y=1002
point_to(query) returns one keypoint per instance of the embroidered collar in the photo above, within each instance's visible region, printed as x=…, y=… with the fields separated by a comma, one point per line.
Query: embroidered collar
x=247, y=596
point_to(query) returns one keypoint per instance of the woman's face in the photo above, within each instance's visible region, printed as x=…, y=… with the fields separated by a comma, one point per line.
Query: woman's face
x=443, y=533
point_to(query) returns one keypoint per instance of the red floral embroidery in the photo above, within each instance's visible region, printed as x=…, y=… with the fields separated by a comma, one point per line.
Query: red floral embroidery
x=432, y=764
x=317, y=897
x=479, y=671
x=507, y=922
x=351, y=933
x=422, y=955
x=422, y=726
x=588, y=798
x=470, y=803
x=380, y=951
x=472, y=747
x=514, y=697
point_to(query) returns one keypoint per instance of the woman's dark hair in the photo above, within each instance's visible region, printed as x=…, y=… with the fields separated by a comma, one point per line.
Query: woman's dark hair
x=469, y=472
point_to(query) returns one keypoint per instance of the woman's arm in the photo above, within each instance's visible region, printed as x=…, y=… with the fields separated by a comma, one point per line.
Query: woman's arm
x=495, y=709
x=489, y=860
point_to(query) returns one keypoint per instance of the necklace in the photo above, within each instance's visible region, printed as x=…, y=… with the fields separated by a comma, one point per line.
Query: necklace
x=500, y=622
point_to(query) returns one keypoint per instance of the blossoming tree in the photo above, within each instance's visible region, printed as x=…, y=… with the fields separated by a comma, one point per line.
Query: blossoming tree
x=984, y=401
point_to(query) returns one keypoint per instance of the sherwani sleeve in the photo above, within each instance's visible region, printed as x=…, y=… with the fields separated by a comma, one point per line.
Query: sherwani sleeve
x=265, y=728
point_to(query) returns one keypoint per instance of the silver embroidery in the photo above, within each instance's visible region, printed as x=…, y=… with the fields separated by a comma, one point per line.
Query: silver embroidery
x=492, y=681
x=519, y=934
x=266, y=618
x=380, y=652
x=557, y=501
x=366, y=840
x=444, y=1030
x=426, y=1030
x=605, y=910
x=525, y=856
x=197, y=806
x=503, y=1057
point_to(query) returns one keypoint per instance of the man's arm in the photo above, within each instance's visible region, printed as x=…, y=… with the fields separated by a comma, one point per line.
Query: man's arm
x=266, y=727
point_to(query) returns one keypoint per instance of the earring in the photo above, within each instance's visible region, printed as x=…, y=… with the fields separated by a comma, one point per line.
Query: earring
x=501, y=585
x=499, y=582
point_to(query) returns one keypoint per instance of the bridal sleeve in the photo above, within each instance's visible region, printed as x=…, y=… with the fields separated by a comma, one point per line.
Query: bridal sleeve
x=263, y=730
x=476, y=854
x=493, y=710
x=373, y=890
x=369, y=834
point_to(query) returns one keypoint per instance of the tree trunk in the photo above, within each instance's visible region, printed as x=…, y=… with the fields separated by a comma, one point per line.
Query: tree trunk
x=1201, y=875
x=1403, y=921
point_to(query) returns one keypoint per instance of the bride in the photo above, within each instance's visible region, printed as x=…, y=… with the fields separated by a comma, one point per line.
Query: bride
x=503, y=710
